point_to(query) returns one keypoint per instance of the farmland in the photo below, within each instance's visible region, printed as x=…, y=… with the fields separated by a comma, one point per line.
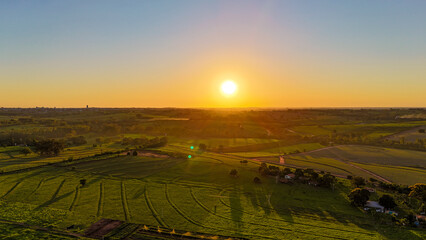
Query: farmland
x=123, y=171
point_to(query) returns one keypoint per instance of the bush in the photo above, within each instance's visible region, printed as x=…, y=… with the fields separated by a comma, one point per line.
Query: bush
x=256, y=180
x=233, y=172
x=387, y=201
x=349, y=177
x=358, y=181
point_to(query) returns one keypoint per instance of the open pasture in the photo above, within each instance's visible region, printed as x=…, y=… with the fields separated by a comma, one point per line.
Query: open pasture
x=234, y=207
x=371, y=154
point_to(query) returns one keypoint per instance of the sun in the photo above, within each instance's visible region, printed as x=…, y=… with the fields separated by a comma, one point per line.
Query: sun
x=228, y=87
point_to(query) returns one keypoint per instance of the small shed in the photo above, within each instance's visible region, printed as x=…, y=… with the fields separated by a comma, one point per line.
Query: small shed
x=290, y=176
x=374, y=205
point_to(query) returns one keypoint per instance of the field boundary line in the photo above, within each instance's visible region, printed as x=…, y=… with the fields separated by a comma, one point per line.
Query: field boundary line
x=124, y=202
x=76, y=196
x=38, y=186
x=275, y=219
x=57, y=190
x=200, y=224
x=11, y=189
x=153, y=211
x=101, y=200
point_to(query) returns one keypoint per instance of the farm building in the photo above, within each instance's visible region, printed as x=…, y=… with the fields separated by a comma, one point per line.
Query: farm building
x=282, y=160
x=374, y=205
x=290, y=176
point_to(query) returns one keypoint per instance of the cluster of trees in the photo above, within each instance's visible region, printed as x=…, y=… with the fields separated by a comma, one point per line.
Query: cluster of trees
x=362, y=138
x=359, y=197
x=145, y=142
x=301, y=175
x=49, y=147
x=76, y=141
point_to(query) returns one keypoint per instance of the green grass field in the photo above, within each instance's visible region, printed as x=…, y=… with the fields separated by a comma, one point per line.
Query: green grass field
x=194, y=194
x=377, y=155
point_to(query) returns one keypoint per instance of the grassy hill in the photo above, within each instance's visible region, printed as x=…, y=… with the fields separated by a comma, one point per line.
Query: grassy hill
x=194, y=194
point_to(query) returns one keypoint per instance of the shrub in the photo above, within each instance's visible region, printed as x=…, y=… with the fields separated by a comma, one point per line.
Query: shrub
x=233, y=172
x=256, y=180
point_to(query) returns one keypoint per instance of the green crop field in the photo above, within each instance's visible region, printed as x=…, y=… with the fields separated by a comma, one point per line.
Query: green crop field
x=173, y=188
x=370, y=154
x=192, y=194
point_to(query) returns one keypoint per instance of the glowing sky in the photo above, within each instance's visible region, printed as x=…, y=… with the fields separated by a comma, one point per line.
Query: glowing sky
x=177, y=53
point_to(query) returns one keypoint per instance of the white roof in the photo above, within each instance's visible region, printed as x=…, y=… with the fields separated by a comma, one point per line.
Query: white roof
x=373, y=204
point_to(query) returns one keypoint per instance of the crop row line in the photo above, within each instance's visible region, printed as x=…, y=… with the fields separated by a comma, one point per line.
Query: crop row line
x=76, y=196
x=153, y=211
x=200, y=224
x=277, y=219
x=101, y=200
x=11, y=189
x=124, y=202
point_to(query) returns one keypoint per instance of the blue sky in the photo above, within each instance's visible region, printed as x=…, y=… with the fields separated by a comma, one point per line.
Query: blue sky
x=280, y=53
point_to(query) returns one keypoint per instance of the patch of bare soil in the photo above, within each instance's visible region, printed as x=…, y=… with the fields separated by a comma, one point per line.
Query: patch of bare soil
x=101, y=228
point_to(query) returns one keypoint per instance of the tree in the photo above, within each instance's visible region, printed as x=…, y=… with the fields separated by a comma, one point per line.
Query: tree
x=26, y=151
x=135, y=153
x=418, y=190
x=349, y=177
x=82, y=182
x=49, y=147
x=358, y=181
x=387, y=201
x=202, y=147
x=422, y=130
x=298, y=173
x=256, y=180
x=286, y=171
x=359, y=197
x=233, y=172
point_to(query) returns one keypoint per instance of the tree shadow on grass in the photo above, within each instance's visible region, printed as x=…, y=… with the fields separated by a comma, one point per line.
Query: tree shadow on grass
x=235, y=203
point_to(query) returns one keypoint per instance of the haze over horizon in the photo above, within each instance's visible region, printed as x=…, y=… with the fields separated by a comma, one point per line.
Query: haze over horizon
x=281, y=54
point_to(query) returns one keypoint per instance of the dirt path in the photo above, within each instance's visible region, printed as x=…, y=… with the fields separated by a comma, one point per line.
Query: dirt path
x=341, y=159
x=43, y=229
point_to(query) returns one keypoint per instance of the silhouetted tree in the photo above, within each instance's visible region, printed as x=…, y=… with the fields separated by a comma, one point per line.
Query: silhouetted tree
x=358, y=181
x=359, y=197
x=387, y=201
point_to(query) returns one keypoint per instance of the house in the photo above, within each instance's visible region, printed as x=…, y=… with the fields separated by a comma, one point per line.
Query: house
x=374, y=205
x=371, y=190
x=290, y=176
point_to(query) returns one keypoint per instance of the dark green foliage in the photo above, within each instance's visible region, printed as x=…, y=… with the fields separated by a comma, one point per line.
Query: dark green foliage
x=233, y=172
x=135, y=153
x=26, y=151
x=77, y=141
x=359, y=196
x=82, y=182
x=49, y=147
x=358, y=181
x=418, y=190
x=387, y=201
x=256, y=180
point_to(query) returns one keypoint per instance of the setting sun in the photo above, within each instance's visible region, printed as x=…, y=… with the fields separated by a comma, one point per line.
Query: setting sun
x=228, y=87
